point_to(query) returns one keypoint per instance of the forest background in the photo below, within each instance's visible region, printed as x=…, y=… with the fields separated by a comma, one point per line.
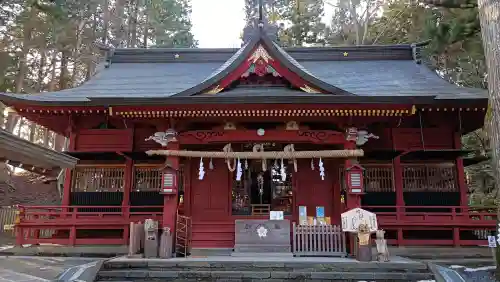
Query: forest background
x=50, y=46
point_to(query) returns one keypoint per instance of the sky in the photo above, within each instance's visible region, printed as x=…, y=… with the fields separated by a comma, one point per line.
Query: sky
x=219, y=23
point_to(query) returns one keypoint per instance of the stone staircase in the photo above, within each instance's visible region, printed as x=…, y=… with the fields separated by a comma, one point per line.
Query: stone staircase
x=261, y=269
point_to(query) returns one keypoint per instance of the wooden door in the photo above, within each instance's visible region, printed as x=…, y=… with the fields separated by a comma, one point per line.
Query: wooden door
x=210, y=196
x=311, y=191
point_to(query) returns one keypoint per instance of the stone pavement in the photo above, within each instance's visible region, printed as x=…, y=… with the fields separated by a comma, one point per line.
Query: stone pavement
x=36, y=268
x=12, y=276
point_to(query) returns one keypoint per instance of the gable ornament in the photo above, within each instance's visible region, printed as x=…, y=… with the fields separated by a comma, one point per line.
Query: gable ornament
x=308, y=89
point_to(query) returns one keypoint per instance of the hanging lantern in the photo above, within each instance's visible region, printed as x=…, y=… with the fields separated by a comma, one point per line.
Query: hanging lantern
x=169, y=181
x=354, y=178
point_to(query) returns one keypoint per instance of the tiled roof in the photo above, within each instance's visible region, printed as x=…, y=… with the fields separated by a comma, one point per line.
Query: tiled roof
x=373, y=71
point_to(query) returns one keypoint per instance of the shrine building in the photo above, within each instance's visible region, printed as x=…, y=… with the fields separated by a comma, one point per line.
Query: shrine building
x=210, y=136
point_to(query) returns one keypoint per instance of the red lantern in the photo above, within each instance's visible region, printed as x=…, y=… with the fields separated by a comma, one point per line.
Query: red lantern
x=169, y=181
x=354, y=177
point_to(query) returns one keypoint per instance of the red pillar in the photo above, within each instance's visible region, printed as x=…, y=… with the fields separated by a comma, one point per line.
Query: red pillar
x=127, y=187
x=170, y=201
x=352, y=200
x=400, y=201
x=67, y=175
x=462, y=185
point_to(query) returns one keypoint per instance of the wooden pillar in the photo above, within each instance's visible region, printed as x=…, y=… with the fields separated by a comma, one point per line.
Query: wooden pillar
x=170, y=201
x=400, y=201
x=352, y=200
x=187, y=186
x=127, y=187
x=66, y=199
x=462, y=185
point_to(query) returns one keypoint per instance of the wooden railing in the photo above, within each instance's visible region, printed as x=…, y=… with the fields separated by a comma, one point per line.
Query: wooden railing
x=318, y=240
x=80, y=224
x=433, y=216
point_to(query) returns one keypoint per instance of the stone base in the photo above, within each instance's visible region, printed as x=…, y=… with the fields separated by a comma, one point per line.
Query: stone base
x=259, y=255
x=364, y=253
x=262, y=248
x=202, y=252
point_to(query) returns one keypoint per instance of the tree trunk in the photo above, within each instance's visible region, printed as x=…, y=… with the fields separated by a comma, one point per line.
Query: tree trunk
x=145, y=35
x=133, y=24
x=21, y=125
x=63, y=76
x=489, y=14
x=59, y=143
x=52, y=83
x=33, y=129
x=41, y=70
x=106, y=16
x=46, y=135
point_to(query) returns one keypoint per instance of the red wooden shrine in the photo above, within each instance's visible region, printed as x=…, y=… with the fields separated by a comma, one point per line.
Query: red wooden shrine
x=406, y=119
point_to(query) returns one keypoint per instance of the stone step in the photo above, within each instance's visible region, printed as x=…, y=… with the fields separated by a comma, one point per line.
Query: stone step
x=169, y=275
x=281, y=264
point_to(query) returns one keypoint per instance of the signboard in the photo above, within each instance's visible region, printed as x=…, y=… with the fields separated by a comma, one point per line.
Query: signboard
x=353, y=218
x=168, y=180
x=492, y=242
x=320, y=211
x=302, y=215
x=276, y=215
x=320, y=215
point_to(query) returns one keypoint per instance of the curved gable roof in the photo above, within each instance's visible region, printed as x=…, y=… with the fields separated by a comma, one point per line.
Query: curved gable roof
x=233, y=68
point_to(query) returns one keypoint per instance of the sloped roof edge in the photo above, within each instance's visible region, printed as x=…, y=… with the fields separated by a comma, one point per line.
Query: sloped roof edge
x=275, y=51
x=39, y=155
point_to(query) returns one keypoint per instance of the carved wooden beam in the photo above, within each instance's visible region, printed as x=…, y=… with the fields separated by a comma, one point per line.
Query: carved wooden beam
x=294, y=136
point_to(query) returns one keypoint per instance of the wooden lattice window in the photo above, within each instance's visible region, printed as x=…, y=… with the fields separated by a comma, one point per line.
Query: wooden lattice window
x=378, y=178
x=147, y=179
x=98, y=179
x=429, y=177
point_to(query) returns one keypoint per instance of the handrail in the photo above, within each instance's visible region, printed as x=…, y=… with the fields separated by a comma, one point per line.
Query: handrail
x=30, y=214
x=455, y=214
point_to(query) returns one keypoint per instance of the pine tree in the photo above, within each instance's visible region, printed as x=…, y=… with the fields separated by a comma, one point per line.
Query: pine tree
x=306, y=25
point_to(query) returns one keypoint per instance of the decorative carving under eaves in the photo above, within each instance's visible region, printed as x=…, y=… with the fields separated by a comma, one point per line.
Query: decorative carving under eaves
x=316, y=135
x=163, y=138
x=309, y=89
x=203, y=135
x=229, y=126
x=359, y=136
x=215, y=90
x=292, y=125
x=260, y=53
x=363, y=137
x=261, y=68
